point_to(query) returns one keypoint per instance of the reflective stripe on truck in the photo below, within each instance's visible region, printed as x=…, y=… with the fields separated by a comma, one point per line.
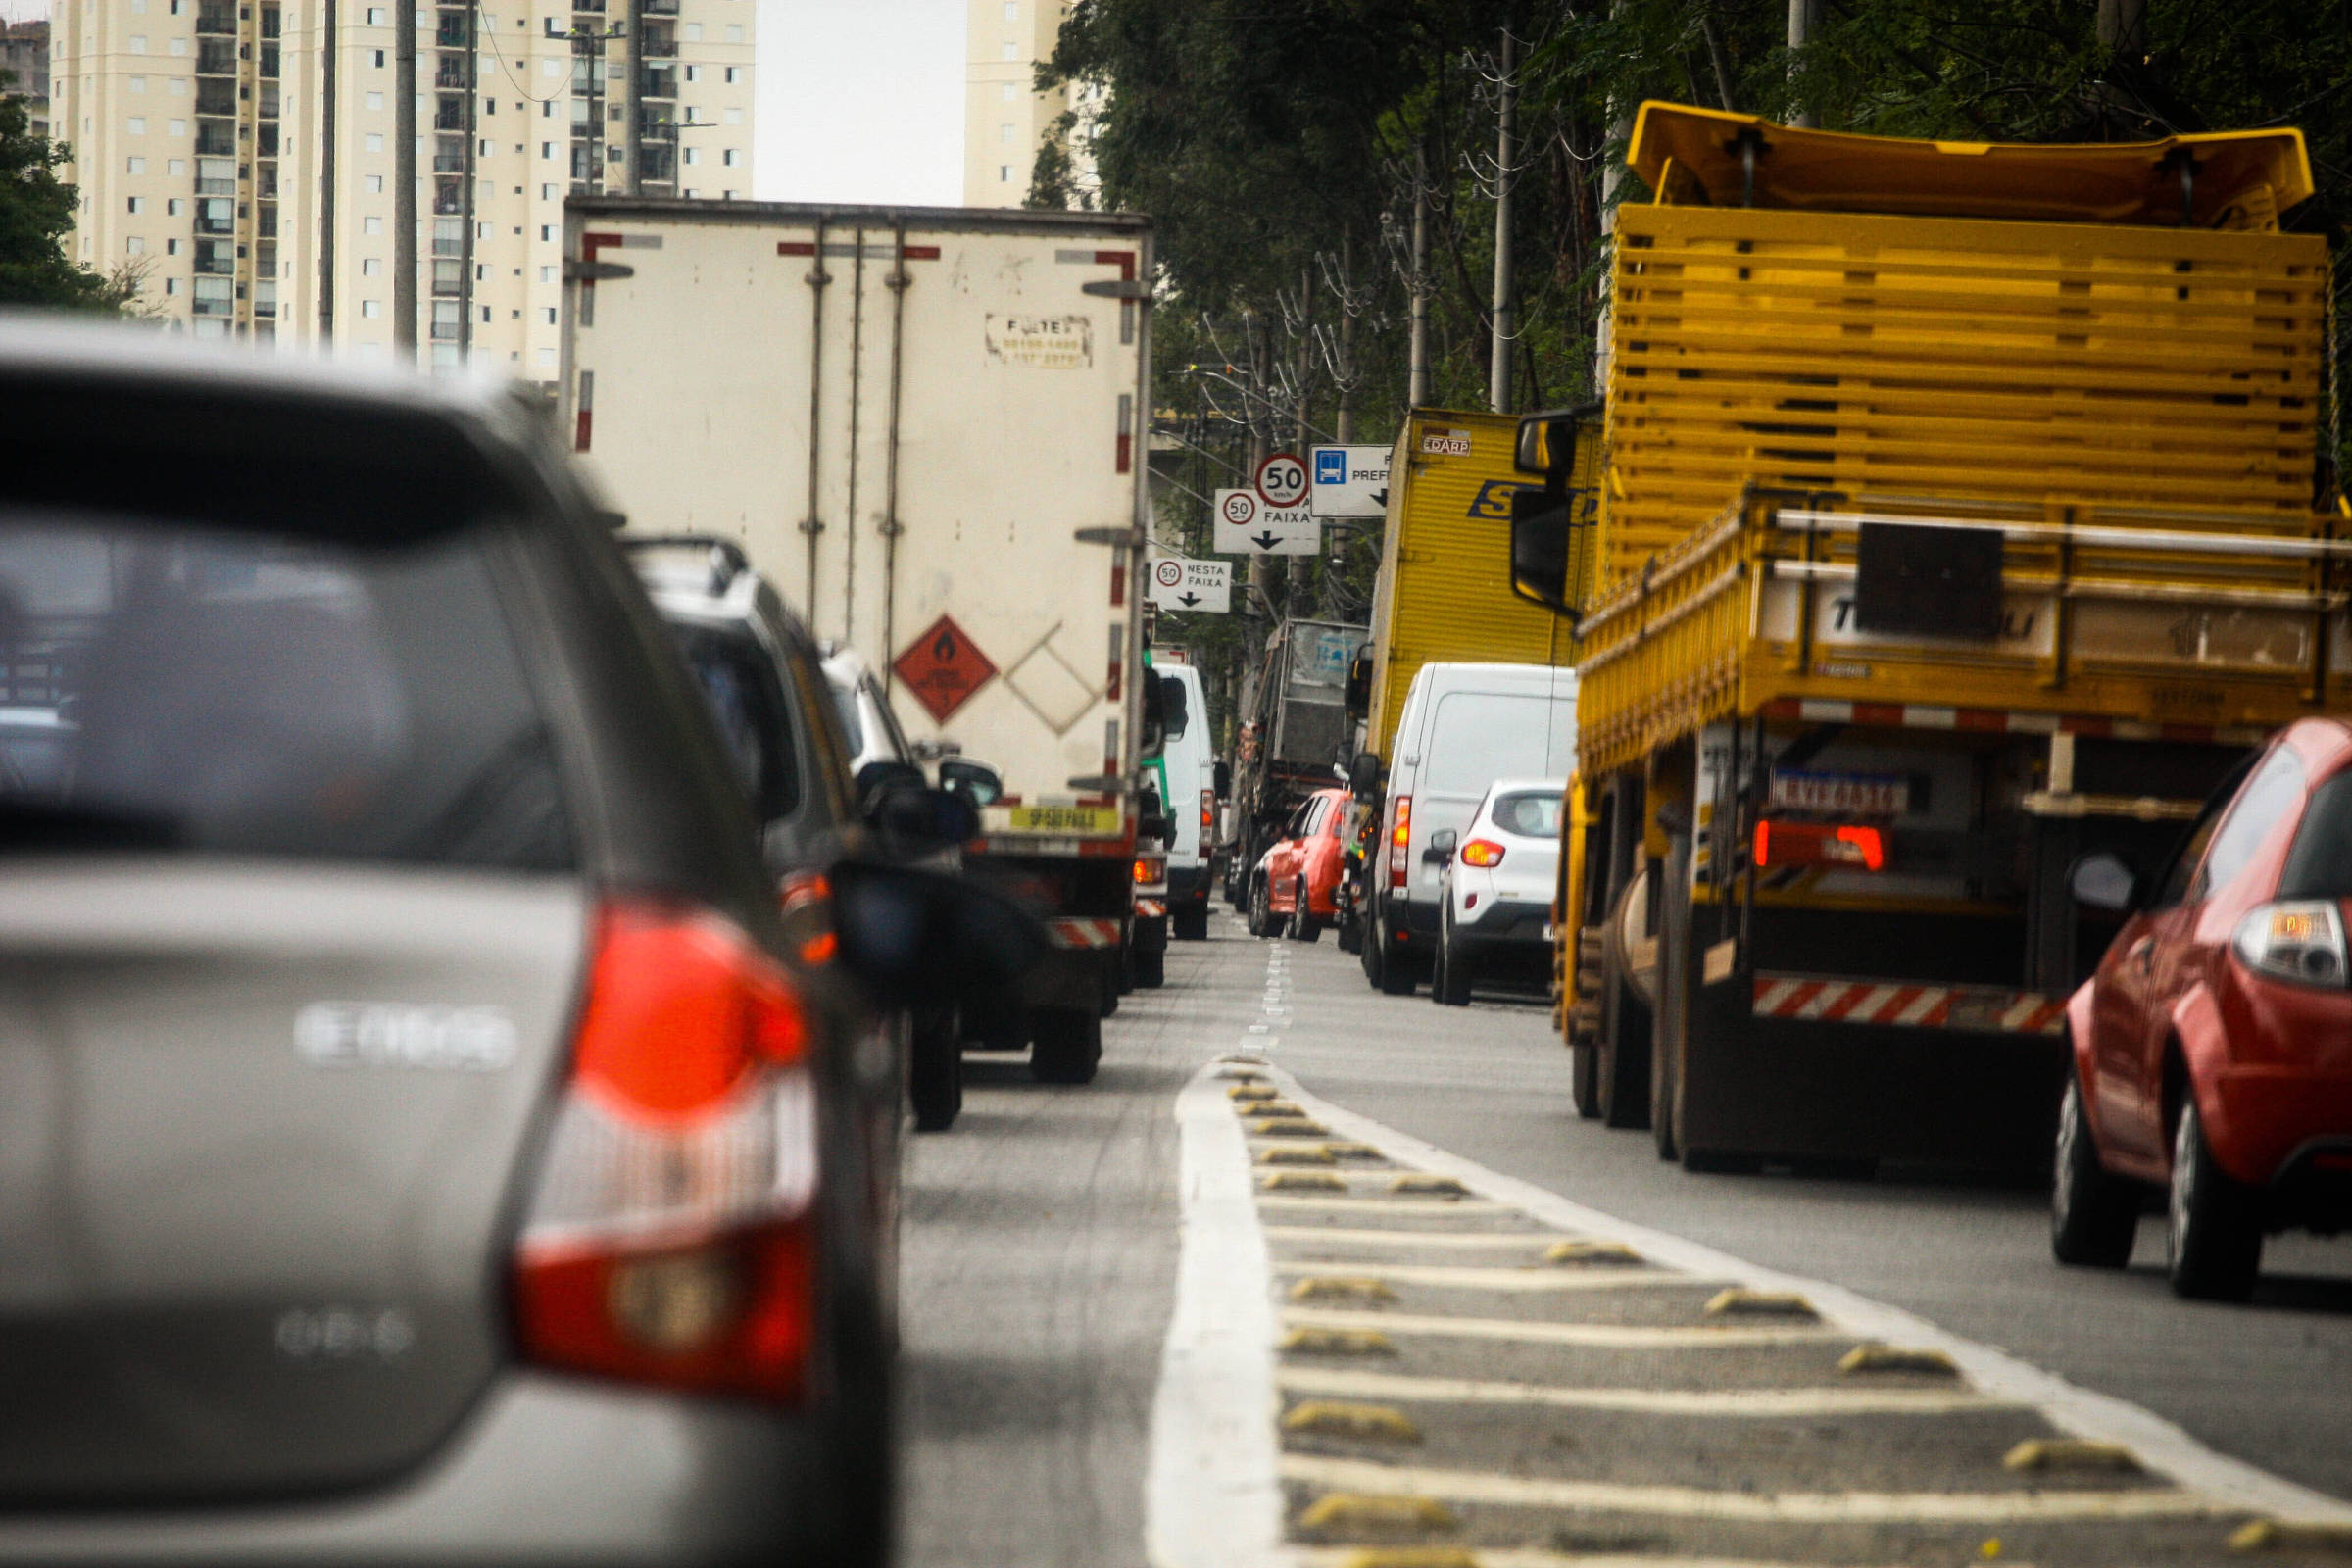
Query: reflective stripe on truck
x=1980, y=1009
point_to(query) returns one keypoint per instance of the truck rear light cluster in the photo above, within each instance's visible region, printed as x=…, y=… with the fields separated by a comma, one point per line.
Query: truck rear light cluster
x=1481, y=852
x=1834, y=843
x=1401, y=841
x=670, y=1237
x=1208, y=814
x=2297, y=938
x=1151, y=870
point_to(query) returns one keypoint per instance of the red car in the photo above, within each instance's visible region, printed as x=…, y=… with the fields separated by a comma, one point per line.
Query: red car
x=1296, y=881
x=2212, y=1048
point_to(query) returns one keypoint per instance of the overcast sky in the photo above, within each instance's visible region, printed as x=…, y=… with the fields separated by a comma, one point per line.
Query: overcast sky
x=859, y=100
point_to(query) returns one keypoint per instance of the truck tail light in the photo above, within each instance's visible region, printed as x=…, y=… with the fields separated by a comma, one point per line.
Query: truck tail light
x=1208, y=814
x=670, y=1237
x=1837, y=844
x=2299, y=939
x=1150, y=869
x=1482, y=852
x=1399, y=841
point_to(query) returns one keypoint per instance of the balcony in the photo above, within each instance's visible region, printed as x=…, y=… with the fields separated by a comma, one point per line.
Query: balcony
x=215, y=217
x=451, y=73
x=270, y=100
x=657, y=7
x=445, y=320
x=661, y=41
x=270, y=62
x=264, y=221
x=656, y=161
x=449, y=278
x=216, y=138
x=265, y=299
x=449, y=114
x=266, y=142
x=451, y=33
x=658, y=82
x=216, y=176
x=265, y=185
x=222, y=303
x=272, y=18
x=448, y=199
x=216, y=57
x=217, y=20
x=216, y=95
x=218, y=257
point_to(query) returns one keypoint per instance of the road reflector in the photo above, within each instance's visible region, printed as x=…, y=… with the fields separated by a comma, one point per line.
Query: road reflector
x=1276, y=1107
x=1590, y=1252
x=1300, y=1181
x=1372, y=1514
x=1353, y=1150
x=1297, y=1155
x=1283, y=1127
x=1740, y=1301
x=1338, y=1418
x=1252, y=1090
x=1411, y=1557
x=1428, y=1185
x=2293, y=1534
x=1897, y=1359
x=1337, y=1288
x=2070, y=1454
x=1337, y=1342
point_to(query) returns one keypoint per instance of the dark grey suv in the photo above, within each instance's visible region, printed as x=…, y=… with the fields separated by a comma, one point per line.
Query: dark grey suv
x=423, y=1134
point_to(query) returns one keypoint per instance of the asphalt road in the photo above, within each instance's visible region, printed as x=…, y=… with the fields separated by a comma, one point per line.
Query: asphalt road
x=1043, y=1233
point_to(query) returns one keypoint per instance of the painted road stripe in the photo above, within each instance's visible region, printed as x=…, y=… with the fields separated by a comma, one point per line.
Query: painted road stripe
x=1340, y=1383
x=1336, y=1236
x=1385, y=1204
x=1613, y=1334
x=1779, y=1508
x=1545, y=1278
x=2163, y=1447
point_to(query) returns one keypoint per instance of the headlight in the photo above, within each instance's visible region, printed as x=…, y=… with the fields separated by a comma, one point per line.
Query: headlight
x=2300, y=940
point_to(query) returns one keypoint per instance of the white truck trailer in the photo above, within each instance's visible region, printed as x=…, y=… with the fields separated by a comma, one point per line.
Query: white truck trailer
x=927, y=426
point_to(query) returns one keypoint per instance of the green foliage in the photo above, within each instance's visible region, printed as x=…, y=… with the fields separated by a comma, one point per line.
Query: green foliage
x=37, y=212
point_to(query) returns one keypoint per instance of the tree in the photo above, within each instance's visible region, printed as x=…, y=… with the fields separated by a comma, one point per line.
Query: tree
x=37, y=212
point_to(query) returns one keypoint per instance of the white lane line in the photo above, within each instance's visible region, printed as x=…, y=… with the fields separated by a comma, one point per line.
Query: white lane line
x=2159, y=1444
x=1613, y=1334
x=1210, y=1492
x=1536, y=1557
x=1338, y=1383
x=1383, y=1206
x=1515, y=1280
x=1785, y=1508
x=1338, y=1235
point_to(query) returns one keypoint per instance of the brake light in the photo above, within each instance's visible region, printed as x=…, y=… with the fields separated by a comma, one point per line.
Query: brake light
x=2299, y=939
x=1482, y=852
x=670, y=1237
x=1150, y=869
x=1399, y=838
x=1796, y=844
x=1209, y=814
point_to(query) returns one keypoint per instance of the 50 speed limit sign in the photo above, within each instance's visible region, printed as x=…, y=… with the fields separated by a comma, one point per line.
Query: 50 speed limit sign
x=1239, y=508
x=1282, y=480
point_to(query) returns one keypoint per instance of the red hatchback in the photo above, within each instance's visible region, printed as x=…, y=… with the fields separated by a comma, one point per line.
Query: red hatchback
x=2212, y=1048
x=1296, y=880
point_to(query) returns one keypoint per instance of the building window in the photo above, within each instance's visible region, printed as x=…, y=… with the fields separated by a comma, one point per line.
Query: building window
x=485, y=316
x=135, y=166
x=373, y=266
x=376, y=142
x=547, y=231
x=175, y=167
x=549, y=312
x=176, y=128
x=139, y=84
x=134, y=246
x=172, y=207
x=371, y=308
x=139, y=43
x=694, y=155
x=486, y=148
x=372, y=226
x=1003, y=173
x=734, y=32
x=733, y=116
x=551, y=68
x=375, y=100
x=1013, y=11
x=547, y=193
x=693, y=72
x=378, y=16
x=1005, y=131
x=734, y=74
x=546, y=357
x=138, y=8
x=138, y=204
x=694, y=33
x=138, y=126
x=380, y=60
x=726, y=195
x=1012, y=51
x=170, y=247
x=179, y=47
x=547, y=274
x=546, y=149
x=732, y=158
x=1009, y=92
x=171, y=285
x=376, y=184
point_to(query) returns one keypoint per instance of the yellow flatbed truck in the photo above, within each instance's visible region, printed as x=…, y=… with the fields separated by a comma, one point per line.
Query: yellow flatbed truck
x=1958, y=518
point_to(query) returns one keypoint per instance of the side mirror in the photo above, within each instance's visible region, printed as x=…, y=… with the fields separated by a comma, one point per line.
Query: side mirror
x=1441, y=847
x=1541, y=524
x=2103, y=881
x=976, y=782
x=1363, y=776
x=914, y=935
x=884, y=777
x=1222, y=779
x=915, y=822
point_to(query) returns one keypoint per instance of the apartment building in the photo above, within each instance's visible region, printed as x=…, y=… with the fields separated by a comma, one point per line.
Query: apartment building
x=241, y=153
x=1005, y=120
x=24, y=63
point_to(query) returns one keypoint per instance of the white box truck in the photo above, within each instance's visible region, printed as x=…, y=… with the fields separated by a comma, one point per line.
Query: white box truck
x=926, y=425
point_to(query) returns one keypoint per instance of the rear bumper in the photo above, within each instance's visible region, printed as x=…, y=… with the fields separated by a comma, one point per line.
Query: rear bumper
x=2261, y=1121
x=1188, y=884
x=1505, y=925
x=545, y=1470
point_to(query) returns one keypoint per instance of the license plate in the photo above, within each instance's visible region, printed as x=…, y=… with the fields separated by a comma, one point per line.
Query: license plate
x=1090, y=820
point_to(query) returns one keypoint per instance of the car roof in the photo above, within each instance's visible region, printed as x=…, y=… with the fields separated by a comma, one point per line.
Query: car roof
x=1504, y=786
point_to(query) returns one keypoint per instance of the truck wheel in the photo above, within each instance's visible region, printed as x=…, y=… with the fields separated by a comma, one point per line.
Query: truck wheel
x=1449, y=976
x=1622, y=1072
x=1261, y=916
x=2093, y=1215
x=2216, y=1226
x=1150, y=970
x=1067, y=1047
x=1584, y=1078
x=1303, y=926
x=935, y=1073
x=1189, y=923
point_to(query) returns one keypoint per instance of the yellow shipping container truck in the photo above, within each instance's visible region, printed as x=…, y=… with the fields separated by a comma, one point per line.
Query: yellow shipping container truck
x=1959, y=521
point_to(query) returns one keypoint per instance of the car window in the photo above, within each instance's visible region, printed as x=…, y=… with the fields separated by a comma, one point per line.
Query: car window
x=1316, y=810
x=890, y=721
x=747, y=700
x=168, y=686
x=852, y=723
x=2275, y=789
x=1530, y=813
x=1478, y=737
x=2319, y=863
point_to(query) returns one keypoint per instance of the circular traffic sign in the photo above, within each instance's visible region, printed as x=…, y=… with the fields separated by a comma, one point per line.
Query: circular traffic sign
x=1167, y=573
x=1241, y=508
x=1282, y=480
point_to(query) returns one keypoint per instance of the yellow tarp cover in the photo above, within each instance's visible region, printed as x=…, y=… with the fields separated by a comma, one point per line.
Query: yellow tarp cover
x=2243, y=179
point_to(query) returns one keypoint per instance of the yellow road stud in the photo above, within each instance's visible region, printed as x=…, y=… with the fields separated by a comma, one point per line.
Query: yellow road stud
x=1254, y=1090
x=1738, y=1302
x=1297, y=1154
x=1429, y=1185
x=2293, y=1534
x=1411, y=1557
x=1590, y=1252
x=1337, y=1342
x=1897, y=1359
x=1282, y=1127
x=1337, y=1418
x=2069, y=1453
x=1352, y=1150
x=1337, y=1288
x=1300, y=1181
x=1355, y=1511
x=1276, y=1107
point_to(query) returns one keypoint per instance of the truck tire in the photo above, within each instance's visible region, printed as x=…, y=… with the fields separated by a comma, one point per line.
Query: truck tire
x=1584, y=1080
x=935, y=1072
x=1189, y=923
x=1066, y=1046
x=2093, y=1214
x=1303, y=926
x=1150, y=970
x=2215, y=1221
x=1620, y=1072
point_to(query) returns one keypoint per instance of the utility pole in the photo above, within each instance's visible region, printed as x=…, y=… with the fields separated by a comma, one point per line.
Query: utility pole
x=1416, y=380
x=1498, y=363
x=403, y=178
x=1300, y=565
x=326, y=177
x=473, y=93
x=1802, y=14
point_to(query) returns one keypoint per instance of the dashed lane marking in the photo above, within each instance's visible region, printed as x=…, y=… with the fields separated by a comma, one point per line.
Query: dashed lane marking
x=1552, y=1279
x=1361, y=1477
x=1760, y=1403
x=1617, y=1335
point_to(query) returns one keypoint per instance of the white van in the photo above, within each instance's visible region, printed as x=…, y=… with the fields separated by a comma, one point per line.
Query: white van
x=1463, y=727
x=1187, y=769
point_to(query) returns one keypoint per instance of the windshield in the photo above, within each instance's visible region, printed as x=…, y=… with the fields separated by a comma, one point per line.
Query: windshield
x=1530, y=813
x=195, y=688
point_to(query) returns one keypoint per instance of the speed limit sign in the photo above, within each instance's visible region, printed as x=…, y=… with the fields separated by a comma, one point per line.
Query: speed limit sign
x=1239, y=505
x=1168, y=573
x=1282, y=480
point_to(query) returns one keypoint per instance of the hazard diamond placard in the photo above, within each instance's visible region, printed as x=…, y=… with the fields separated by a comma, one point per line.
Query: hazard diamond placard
x=943, y=667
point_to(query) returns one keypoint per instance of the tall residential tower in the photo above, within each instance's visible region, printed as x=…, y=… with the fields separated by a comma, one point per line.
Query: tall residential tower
x=1005, y=120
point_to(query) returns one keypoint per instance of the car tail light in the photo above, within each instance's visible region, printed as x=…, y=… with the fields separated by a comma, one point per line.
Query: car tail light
x=1399, y=839
x=670, y=1237
x=1482, y=852
x=1208, y=814
x=2300, y=940
x=1839, y=844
